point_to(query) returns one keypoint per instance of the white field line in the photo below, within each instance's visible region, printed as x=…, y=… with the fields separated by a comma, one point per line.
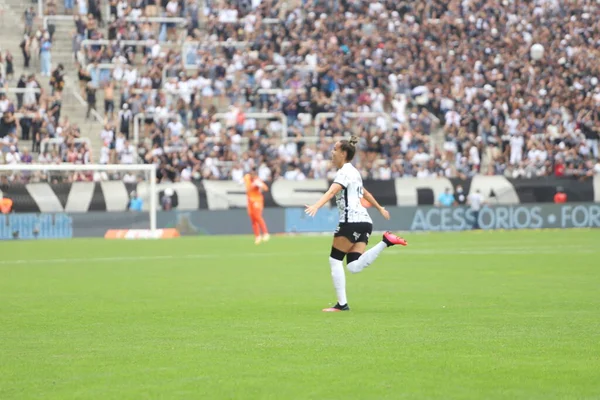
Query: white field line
x=416, y=252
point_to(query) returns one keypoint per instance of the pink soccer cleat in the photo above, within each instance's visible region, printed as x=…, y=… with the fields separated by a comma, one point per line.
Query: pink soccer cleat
x=337, y=308
x=390, y=239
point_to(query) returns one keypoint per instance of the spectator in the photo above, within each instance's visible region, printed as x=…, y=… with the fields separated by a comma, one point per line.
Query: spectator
x=13, y=156
x=476, y=201
x=135, y=202
x=167, y=200
x=26, y=50
x=45, y=55
x=560, y=197
x=6, y=204
x=446, y=199
x=91, y=98
x=57, y=81
x=461, y=198
x=465, y=64
x=28, y=18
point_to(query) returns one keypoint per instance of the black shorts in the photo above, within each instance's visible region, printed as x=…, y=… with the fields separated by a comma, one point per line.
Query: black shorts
x=356, y=232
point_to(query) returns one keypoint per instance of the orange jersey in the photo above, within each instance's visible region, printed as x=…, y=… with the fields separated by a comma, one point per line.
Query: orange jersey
x=254, y=189
x=560, y=198
x=6, y=205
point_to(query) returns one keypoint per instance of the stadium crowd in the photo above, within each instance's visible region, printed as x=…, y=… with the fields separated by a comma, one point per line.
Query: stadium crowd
x=454, y=87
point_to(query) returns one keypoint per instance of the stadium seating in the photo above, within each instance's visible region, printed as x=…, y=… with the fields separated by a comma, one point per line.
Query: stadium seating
x=448, y=88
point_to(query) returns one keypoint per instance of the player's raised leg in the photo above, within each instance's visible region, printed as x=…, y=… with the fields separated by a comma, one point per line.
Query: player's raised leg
x=358, y=259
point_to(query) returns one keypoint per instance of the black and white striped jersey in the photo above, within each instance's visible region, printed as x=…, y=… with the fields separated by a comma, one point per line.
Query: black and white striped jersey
x=349, y=198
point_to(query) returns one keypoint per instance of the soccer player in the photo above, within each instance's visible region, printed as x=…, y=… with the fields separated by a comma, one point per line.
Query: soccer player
x=254, y=188
x=355, y=225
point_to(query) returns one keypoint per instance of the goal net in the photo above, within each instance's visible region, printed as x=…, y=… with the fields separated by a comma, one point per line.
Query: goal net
x=68, y=200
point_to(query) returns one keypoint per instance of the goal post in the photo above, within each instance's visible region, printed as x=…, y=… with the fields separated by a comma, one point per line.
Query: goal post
x=25, y=177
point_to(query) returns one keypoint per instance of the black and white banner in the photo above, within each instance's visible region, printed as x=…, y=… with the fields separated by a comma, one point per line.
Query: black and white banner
x=221, y=195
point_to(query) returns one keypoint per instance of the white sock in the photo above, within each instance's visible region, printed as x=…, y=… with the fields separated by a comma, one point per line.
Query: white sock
x=339, y=279
x=367, y=258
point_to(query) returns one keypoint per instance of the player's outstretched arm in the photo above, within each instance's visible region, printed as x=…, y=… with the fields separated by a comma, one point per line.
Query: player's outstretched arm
x=332, y=191
x=369, y=197
x=261, y=185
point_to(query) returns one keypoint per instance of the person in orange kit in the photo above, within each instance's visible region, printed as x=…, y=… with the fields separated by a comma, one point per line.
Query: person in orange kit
x=5, y=204
x=560, y=197
x=254, y=188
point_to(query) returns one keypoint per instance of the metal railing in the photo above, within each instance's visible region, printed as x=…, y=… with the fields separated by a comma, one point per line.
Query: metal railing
x=120, y=43
x=196, y=45
x=281, y=91
x=58, y=141
x=62, y=18
x=147, y=42
x=167, y=20
x=363, y=115
x=281, y=116
x=56, y=18
x=265, y=21
x=19, y=90
x=137, y=121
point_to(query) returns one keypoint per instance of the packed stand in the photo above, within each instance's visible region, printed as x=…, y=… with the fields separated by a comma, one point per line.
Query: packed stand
x=529, y=110
x=35, y=116
x=127, y=22
x=467, y=64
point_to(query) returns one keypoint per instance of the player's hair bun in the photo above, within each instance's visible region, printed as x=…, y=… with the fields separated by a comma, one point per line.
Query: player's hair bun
x=353, y=141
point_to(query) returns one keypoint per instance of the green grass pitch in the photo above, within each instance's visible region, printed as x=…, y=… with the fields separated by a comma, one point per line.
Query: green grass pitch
x=491, y=315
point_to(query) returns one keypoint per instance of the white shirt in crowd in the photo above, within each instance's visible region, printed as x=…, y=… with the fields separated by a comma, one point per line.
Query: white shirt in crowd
x=249, y=124
x=128, y=154
x=264, y=172
x=377, y=102
x=104, y=155
x=4, y=105
x=512, y=124
x=420, y=158
x=100, y=176
x=107, y=136
x=474, y=155
x=423, y=173
x=450, y=146
x=172, y=7
x=237, y=174
x=452, y=118
x=130, y=76
x=311, y=59
x=399, y=104
x=288, y=151
x=294, y=175
x=475, y=201
x=516, y=149
x=185, y=91
x=215, y=127
x=44, y=158
x=319, y=165
x=121, y=7
x=119, y=143
x=176, y=128
x=385, y=172
x=186, y=174
x=129, y=178
x=537, y=155
x=12, y=157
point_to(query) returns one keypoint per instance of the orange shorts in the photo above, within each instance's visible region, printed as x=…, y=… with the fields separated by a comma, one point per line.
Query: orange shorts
x=255, y=211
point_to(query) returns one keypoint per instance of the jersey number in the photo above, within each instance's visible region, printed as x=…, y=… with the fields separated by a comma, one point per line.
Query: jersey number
x=359, y=190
